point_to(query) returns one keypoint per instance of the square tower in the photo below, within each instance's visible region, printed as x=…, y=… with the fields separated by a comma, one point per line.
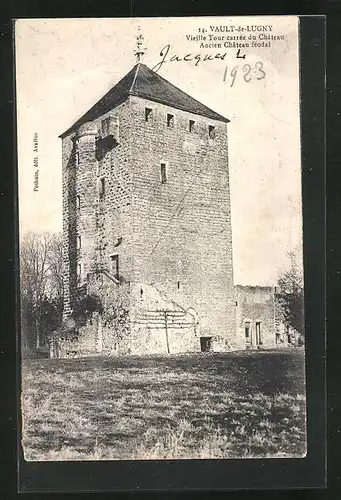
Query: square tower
x=146, y=216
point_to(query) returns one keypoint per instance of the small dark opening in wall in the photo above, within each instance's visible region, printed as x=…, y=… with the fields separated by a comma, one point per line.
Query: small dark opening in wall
x=211, y=131
x=205, y=344
x=247, y=331
x=141, y=292
x=148, y=114
x=163, y=172
x=78, y=202
x=178, y=285
x=101, y=187
x=191, y=125
x=170, y=120
x=79, y=272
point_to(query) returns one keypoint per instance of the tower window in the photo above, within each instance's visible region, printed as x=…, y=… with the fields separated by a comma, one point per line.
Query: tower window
x=78, y=202
x=170, y=120
x=79, y=271
x=114, y=266
x=211, y=132
x=148, y=114
x=191, y=124
x=101, y=187
x=163, y=173
x=79, y=242
x=77, y=158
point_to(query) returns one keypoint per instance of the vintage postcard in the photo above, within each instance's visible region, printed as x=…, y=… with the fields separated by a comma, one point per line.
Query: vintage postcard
x=161, y=268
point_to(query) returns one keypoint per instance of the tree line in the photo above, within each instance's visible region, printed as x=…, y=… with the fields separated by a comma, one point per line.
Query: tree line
x=41, y=287
x=41, y=290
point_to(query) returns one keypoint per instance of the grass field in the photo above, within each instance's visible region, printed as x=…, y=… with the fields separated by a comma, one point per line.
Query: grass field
x=235, y=405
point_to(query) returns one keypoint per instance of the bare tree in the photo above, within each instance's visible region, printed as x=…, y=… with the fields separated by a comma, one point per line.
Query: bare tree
x=291, y=292
x=41, y=283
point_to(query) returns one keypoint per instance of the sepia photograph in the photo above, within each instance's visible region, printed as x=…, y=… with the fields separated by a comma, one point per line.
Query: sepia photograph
x=160, y=231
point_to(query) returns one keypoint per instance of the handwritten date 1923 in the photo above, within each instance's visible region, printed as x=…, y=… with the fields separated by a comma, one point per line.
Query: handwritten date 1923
x=248, y=73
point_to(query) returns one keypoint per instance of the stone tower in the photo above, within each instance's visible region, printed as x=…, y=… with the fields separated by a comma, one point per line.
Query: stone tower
x=146, y=207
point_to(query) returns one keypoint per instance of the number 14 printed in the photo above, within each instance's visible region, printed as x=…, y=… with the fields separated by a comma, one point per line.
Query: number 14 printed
x=248, y=72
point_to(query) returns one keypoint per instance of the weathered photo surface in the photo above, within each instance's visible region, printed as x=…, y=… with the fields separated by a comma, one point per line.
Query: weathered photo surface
x=160, y=225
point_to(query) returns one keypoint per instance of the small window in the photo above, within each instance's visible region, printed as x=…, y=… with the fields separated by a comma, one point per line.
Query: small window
x=79, y=271
x=114, y=266
x=78, y=202
x=101, y=187
x=191, y=124
x=211, y=132
x=178, y=285
x=79, y=242
x=170, y=120
x=163, y=173
x=77, y=158
x=148, y=114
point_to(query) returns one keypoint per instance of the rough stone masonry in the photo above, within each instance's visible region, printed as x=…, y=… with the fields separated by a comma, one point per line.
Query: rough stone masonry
x=147, y=220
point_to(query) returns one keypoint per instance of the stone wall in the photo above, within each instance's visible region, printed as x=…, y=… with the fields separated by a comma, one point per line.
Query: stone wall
x=96, y=204
x=173, y=237
x=182, y=227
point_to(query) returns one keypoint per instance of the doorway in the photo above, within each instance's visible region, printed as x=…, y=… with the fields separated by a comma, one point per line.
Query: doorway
x=205, y=344
x=259, y=340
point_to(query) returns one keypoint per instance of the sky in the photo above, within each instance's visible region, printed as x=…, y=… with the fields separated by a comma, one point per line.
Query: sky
x=63, y=66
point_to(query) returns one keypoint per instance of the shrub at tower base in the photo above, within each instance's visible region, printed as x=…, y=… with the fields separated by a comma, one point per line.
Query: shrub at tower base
x=99, y=324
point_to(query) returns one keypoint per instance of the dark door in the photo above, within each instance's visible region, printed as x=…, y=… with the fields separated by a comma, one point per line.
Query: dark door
x=205, y=344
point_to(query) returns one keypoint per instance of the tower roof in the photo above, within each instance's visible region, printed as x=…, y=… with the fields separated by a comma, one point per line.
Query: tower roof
x=144, y=82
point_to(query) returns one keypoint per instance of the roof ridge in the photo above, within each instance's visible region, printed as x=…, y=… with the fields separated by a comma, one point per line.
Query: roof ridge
x=134, y=79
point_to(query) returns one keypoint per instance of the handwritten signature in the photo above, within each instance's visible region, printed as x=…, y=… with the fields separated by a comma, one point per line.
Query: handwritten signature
x=187, y=57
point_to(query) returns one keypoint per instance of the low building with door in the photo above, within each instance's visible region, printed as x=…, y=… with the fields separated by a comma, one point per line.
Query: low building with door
x=255, y=313
x=260, y=321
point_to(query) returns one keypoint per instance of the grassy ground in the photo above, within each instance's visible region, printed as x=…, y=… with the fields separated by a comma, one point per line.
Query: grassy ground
x=235, y=405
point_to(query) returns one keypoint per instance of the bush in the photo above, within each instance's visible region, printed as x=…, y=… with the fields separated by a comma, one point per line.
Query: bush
x=84, y=308
x=66, y=331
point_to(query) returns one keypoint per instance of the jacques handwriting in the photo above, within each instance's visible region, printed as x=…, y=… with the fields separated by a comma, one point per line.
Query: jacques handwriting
x=165, y=57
